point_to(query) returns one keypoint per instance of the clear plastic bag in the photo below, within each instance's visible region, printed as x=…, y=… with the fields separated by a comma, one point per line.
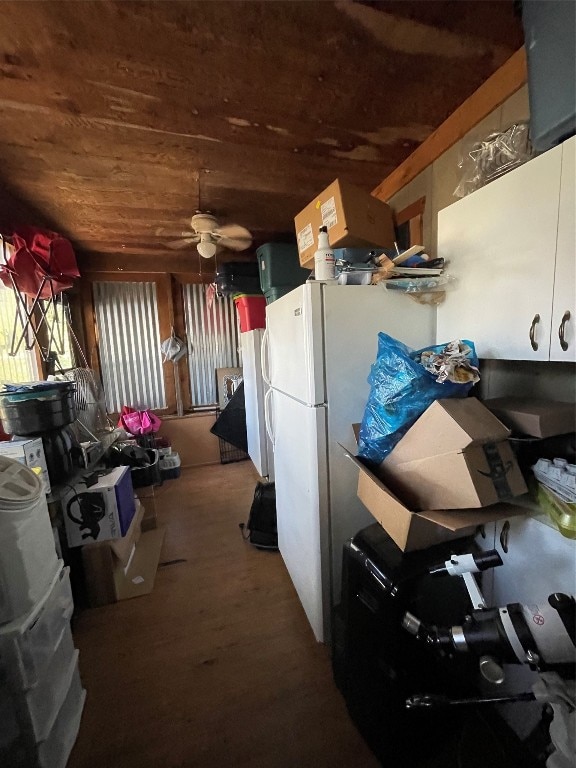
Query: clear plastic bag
x=484, y=160
x=401, y=389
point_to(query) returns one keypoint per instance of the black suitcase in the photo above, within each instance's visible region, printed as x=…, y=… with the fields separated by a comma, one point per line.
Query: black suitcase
x=238, y=277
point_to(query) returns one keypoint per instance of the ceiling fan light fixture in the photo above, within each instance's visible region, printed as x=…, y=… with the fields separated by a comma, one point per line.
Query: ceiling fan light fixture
x=206, y=249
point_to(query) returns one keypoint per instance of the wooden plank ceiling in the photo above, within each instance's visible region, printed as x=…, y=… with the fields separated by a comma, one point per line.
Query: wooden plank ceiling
x=119, y=118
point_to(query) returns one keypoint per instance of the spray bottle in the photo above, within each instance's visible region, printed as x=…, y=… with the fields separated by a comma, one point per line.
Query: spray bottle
x=324, y=264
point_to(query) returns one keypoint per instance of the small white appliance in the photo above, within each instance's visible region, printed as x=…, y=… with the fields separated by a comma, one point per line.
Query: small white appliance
x=319, y=344
x=28, y=451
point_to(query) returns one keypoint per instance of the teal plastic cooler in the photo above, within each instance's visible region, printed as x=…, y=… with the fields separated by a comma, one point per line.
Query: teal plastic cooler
x=279, y=267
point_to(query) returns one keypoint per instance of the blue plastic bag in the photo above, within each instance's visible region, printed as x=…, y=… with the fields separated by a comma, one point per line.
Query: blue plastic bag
x=401, y=390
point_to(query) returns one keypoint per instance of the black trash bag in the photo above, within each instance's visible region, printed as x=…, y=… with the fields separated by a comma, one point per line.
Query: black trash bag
x=231, y=423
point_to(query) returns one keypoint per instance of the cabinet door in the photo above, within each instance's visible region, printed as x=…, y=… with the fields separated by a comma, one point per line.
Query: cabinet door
x=563, y=338
x=500, y=243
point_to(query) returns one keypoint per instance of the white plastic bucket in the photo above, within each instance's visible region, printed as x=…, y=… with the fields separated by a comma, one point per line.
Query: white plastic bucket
x=28, y=560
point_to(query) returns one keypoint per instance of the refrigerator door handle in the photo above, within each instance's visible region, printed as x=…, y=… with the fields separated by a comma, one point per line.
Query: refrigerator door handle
x=267, y=420
x=265, y=357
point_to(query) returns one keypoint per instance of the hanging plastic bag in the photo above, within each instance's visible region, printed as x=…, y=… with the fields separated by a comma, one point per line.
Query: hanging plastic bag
x=138, y=422
x=404, y=382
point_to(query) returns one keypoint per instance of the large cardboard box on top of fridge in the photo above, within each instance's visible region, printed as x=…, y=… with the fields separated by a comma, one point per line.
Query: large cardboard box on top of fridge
x=353, y=218
x=414, y=524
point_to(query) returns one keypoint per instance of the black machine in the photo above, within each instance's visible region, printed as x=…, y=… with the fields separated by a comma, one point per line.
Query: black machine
x=408, y=646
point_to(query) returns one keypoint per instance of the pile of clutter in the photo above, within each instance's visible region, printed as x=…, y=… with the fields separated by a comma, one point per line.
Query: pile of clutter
x=411, y=271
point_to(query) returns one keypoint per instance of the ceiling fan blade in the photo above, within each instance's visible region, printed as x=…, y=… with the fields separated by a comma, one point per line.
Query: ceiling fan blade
x=186, y=242
x=181, y=232
x=233, y=232
x=235, y=244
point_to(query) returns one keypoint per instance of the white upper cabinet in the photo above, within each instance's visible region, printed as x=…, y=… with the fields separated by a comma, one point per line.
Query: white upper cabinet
x=502, y=244
x=563, y=338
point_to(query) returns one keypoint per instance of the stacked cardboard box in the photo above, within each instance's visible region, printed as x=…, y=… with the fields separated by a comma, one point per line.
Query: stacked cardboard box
x=451, y=472
x=123, y=568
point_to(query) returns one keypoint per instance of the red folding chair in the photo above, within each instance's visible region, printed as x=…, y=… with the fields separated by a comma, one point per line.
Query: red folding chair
x=39, y=267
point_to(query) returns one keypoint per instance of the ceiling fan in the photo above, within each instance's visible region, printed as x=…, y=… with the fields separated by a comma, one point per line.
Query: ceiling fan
x=208, y=236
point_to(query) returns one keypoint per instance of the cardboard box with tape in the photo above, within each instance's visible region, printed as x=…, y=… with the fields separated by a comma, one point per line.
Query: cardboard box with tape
x=353, y=218
x=433, y=487
x=455, y=456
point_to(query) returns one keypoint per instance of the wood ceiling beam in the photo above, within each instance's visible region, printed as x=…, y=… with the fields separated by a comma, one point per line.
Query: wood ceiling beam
x=501, y=85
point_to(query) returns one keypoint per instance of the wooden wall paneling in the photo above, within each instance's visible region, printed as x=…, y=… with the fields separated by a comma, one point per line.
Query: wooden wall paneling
x=180, y=330
x=89, y=326
x=490, y=95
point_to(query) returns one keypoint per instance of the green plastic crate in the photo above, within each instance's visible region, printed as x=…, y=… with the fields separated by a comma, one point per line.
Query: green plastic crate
x=279, y=266
x=278, y=292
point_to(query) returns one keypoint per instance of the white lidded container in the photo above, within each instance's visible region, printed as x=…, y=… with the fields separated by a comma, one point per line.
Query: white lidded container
x=28, y=560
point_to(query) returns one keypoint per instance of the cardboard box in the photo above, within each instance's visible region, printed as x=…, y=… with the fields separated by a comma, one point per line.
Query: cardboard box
x=353, y=218
x=417, y=530
x=29, y=451
x=101, y=511
x=456, y=456
x=537, y=418
x=109, y=580
x=147, y=496
x=122, y=548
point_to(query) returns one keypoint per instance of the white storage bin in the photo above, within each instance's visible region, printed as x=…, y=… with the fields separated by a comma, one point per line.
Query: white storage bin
x=27, y=644
x=19, y=747
x=37, y=708
x=28, y=561
x=55, y=750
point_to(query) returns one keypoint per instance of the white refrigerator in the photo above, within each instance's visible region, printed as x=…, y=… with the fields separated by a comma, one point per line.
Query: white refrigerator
x=259, y=445
x=319, y=345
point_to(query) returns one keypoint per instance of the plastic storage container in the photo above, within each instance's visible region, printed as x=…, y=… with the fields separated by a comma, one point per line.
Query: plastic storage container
x=279, y=266
x=55, y=750
x=551, y=56
x=36, y=709
x=251, y=311
x=277, y=293
x=28, y=560
x=18, y=744
x=149, y=475
x=28, y=644
x=170, y=467
x=38, y=410
x=238, y=277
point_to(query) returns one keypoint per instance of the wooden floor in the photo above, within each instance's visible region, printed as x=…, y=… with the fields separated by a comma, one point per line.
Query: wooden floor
x=218, y=666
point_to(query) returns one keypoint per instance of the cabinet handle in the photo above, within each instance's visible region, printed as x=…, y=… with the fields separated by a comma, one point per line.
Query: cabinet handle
x=504, y=535
x=533, y=341
x=562, y=329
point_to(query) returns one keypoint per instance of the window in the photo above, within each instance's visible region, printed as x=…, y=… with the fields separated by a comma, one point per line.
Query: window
x=22, y=366
x=212, y=331
x=128, y=328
